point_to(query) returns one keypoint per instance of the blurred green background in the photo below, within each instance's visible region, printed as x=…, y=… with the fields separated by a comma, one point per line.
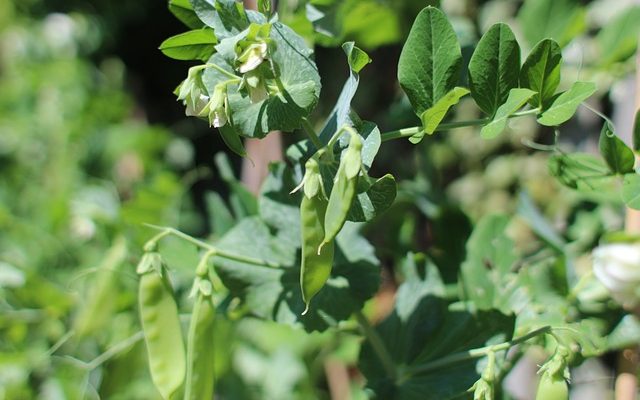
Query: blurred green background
x=93, y=145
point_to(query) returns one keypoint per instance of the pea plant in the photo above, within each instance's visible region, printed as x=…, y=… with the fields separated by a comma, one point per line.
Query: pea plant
x=297, y=255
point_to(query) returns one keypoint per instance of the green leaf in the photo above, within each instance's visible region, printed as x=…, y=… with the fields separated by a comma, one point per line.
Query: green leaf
x=636, y=132
x=432, y=117
x=631, y=190
x=494, y=68
x=274, y=293
x=618, y=39
x=373, y=199
x=516, y=99
x=369, y=22
x=487, y=270
x=430, y=60
x=277, y=206
x=184, y=12
x=538, y=223
x=220, y=218
x=618, y=156
x=192, y=45
x=264, y=6
x=565, y=105
x=579, y=171
x=422, y=330
x=561, y=20
x=243, y=202
x=298, y=74
x=340, y=115
x=232, y=139
x=541, y=71
x=226, y=17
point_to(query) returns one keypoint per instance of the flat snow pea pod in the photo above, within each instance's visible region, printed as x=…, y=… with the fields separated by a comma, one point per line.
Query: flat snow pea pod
x=200, y=361
x=161, y=326
x=343, y=191
x=315, y=268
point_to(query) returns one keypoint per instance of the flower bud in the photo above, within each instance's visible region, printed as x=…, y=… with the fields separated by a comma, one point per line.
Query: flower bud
x=252, y=57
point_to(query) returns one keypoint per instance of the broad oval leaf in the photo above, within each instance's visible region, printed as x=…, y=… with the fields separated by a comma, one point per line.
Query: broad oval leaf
x=516, y=99
x=565, y=105
x=226, y=17
x=541, y=71
x=430, y=60
x=618, y=156
x=494, y=68
x=192, y=45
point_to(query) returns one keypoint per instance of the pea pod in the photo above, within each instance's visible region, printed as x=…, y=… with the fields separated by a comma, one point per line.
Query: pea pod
x=161, y=326
x=343, y=191
x=200, y=367
x=552, y=387
x=232, y=140
x=316, y=267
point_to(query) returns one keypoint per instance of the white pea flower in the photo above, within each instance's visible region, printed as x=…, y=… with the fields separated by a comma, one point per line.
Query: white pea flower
x=617, y=266
x=194, y=109
x=252, y=57
x=254, y=84
x=218, y=107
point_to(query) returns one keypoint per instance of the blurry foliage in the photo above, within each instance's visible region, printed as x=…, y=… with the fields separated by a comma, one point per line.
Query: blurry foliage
x=81, y=170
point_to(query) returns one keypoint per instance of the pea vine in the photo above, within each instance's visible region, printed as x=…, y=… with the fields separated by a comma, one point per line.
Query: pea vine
x=300, y=259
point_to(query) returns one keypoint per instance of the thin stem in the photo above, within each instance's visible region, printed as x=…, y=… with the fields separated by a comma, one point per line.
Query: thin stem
x=311, y=134
x=377, y=344
x=408, y=132
x=223, y=71
x=476, y=353
x=115, y=350
x=214, y=250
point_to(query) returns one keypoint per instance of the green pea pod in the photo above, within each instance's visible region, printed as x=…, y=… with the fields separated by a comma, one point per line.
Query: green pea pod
x=161, y=326
x=316, y=268
x=200, y=367
x=552, y=387
x=343, y=191
x=232, y=140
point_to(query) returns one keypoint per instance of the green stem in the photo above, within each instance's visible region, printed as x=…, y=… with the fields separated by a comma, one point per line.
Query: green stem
x=408, y=132
x=212, y=249
x=475, y=353
x=223, y=71
x=377, y=344
x=311, y=134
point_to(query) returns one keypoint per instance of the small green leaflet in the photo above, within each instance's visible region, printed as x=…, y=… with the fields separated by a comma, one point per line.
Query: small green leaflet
x=616, y=153
x=192, y=45
x=565, y=105
x=430, y=60
x=517, y=98
x=541, y=71
x=432, y=117
x=631, y=190
x=494, y=68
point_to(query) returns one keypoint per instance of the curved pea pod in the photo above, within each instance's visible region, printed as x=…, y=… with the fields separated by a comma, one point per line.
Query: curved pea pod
x=200, y=360
x=161, y=326
x=316, y=267
x=232, y=140
x=552, y=387
x=343, y=191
